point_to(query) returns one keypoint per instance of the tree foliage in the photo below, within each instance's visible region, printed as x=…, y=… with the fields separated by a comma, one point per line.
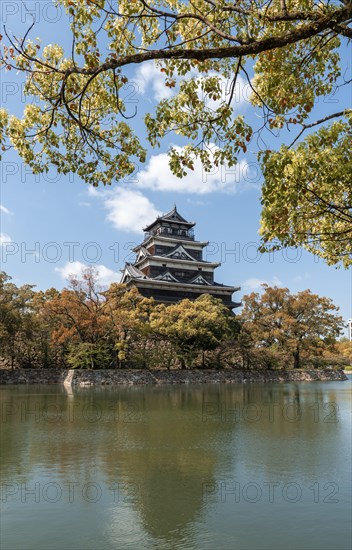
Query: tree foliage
x=129, y=316
x=302, y=324
x=78, y=312
x=83, y=326
x=194, y=326
x=288, y=51
x=24, y=331
x=313, y=205
x=344, y=347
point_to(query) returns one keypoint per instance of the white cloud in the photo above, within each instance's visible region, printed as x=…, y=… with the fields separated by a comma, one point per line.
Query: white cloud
x=254, y=285
x=150, y=79
x=95, y=191
x=106, y=276
x=158, y=177
x=300, y=278
x=5, y=239
x=5, y=210
x=129, y=210
x=197, y=202
x=148, y=75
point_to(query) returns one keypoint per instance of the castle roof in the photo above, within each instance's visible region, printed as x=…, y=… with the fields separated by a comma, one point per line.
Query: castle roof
x=170, y=217
x=132, y=272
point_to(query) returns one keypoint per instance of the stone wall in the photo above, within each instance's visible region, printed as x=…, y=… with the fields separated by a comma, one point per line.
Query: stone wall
x=140, y=377
x=32, y=376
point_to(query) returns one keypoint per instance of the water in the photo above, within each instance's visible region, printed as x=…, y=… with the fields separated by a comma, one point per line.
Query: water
x=194, y=467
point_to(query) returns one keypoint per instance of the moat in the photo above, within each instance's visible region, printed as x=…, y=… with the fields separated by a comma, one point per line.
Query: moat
x=230, y=466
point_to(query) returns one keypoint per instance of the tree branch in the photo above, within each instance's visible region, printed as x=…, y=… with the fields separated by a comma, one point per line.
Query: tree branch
x=320, y=121
x=253, y=48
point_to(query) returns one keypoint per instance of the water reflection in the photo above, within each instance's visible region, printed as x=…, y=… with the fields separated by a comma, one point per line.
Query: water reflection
x=156, y=451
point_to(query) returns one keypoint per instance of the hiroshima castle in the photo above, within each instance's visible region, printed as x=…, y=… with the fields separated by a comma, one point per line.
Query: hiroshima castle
x=169, y=264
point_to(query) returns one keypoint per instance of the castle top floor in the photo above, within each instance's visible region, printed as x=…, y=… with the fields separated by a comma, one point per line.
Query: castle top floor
x=171, y=225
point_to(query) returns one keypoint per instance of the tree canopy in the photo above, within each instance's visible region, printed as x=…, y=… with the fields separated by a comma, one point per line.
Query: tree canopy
x=202, y=324
x=289, y=53
x=83, y=326
x=302, y=324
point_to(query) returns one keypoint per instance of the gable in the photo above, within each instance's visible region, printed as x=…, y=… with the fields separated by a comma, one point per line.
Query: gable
x=142, y=253
x=167, y=277
x=199, y=280
x=180, y=253
x=174, y=215
x=131, y=272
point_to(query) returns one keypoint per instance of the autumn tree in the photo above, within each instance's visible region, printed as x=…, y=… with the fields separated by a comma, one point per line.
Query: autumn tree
x=129, y=313
x=298, y=324
x=15, y=318
x=25, y=334
x=288, y=51
x=194, y=327
x=80, y=322
x=47, y=350
x=344, y=348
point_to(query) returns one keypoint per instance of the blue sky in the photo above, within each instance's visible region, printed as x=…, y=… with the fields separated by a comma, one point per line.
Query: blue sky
x=56, y=223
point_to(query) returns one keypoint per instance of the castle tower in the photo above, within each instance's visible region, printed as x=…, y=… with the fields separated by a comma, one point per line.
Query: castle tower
x=169, y=264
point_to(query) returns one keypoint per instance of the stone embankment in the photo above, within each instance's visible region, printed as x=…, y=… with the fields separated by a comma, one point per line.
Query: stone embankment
x=33, y=376
x=145, y=377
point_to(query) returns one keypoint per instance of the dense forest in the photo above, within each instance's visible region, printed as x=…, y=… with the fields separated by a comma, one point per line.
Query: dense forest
x=85, y=326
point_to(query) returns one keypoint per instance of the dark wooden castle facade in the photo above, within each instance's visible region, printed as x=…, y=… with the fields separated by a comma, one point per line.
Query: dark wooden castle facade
x=169, y=264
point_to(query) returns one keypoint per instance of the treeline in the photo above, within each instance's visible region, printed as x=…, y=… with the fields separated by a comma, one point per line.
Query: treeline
x=83, y=326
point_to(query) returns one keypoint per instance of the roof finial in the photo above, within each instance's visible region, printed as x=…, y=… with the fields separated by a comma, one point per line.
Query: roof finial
x=175, y=207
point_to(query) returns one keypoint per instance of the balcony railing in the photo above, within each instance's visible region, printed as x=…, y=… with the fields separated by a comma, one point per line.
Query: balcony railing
x=171, y=232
